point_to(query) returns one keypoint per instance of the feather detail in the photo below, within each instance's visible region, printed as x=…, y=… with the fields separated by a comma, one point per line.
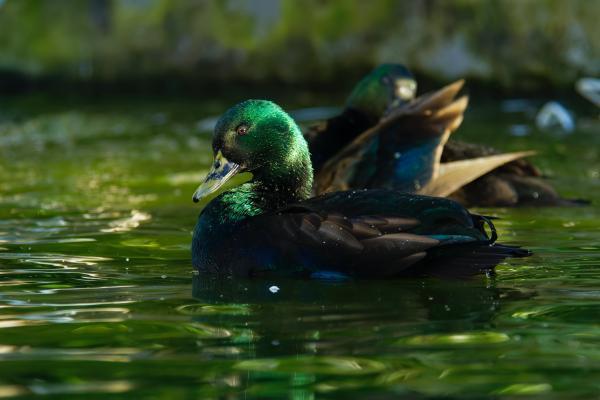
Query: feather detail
x=435, y=115
x=453, y=175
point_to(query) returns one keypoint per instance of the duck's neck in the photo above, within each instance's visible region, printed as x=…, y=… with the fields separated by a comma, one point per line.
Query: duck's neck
x=279, y=183
x=278, y=187
x=270, y=189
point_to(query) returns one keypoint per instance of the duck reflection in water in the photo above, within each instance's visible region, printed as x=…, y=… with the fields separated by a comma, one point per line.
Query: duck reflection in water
x=310, y=317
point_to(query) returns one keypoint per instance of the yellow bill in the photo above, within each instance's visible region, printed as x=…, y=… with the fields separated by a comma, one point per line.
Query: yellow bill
x=221, y=172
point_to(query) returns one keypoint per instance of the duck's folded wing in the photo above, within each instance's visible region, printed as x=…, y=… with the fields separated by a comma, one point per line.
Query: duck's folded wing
x=307, y=239
x=308, y=242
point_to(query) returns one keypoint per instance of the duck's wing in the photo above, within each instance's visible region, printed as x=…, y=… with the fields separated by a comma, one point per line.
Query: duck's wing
x=517, y=182
x=403, y=150
x=454, y=175
x=363, y=234
x=456, y=150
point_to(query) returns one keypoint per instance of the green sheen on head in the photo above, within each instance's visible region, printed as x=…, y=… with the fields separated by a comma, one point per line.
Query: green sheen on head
x=257, y=136
x=386, y=84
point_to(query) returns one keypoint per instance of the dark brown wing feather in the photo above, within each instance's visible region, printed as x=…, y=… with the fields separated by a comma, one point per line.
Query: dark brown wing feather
x=305, y=238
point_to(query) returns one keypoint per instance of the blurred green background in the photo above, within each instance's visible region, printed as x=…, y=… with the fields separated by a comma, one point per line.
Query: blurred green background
x=523, y=45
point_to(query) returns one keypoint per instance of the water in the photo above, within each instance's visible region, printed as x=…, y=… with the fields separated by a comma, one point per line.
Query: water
x=98, y=298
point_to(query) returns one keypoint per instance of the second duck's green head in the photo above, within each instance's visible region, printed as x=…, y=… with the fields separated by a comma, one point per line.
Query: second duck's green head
x=386, y=84
x=257, y=136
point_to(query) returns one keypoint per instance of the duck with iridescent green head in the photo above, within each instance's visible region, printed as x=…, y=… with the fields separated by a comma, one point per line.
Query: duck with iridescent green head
x=402, y=142
x=269, y=225
x=389, y=85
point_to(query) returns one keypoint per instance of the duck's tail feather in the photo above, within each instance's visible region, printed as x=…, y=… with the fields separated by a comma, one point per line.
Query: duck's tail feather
x=432, y=115
x=454, y=175
x=447, y=120
x=479, y=259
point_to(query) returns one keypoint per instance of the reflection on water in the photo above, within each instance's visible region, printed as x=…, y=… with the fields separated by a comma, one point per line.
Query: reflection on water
x=97, y=293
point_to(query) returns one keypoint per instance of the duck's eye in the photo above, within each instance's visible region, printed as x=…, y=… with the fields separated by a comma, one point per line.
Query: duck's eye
x=241, y=129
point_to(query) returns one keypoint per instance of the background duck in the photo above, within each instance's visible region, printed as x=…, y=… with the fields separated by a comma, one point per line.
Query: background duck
x=408, y=148
x=386, y=85
x=269, y=225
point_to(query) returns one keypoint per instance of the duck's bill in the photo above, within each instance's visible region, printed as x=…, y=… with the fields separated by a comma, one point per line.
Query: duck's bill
x=405, y=89
x=222, y=171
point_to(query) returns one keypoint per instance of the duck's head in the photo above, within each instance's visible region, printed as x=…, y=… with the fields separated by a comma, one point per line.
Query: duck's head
x=386, y=84
x=257, y=136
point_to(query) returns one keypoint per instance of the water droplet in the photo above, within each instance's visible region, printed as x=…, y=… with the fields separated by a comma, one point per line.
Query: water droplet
x=163, y=276
x=127, y=259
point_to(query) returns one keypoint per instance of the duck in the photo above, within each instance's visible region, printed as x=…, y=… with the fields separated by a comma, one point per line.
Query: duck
x=405, y=145
x=270, y=225
x=368, y=101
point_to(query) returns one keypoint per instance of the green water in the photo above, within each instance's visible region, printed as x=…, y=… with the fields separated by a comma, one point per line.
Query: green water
x=98, y=298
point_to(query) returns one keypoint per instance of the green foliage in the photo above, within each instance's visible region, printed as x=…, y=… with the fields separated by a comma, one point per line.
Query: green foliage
x=504, y=41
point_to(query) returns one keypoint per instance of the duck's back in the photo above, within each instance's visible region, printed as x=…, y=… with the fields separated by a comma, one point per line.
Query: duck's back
x=374, y=233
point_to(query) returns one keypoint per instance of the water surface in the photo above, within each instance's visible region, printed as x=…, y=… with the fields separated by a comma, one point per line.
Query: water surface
x=98, y=298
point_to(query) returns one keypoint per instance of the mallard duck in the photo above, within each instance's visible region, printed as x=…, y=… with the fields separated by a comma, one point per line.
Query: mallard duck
x=408, y=149
x=387, y=85
x=269, y=225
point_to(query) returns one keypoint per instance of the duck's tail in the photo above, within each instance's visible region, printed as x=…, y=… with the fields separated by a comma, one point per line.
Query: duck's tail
x=462, y=260
x=469, y=260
